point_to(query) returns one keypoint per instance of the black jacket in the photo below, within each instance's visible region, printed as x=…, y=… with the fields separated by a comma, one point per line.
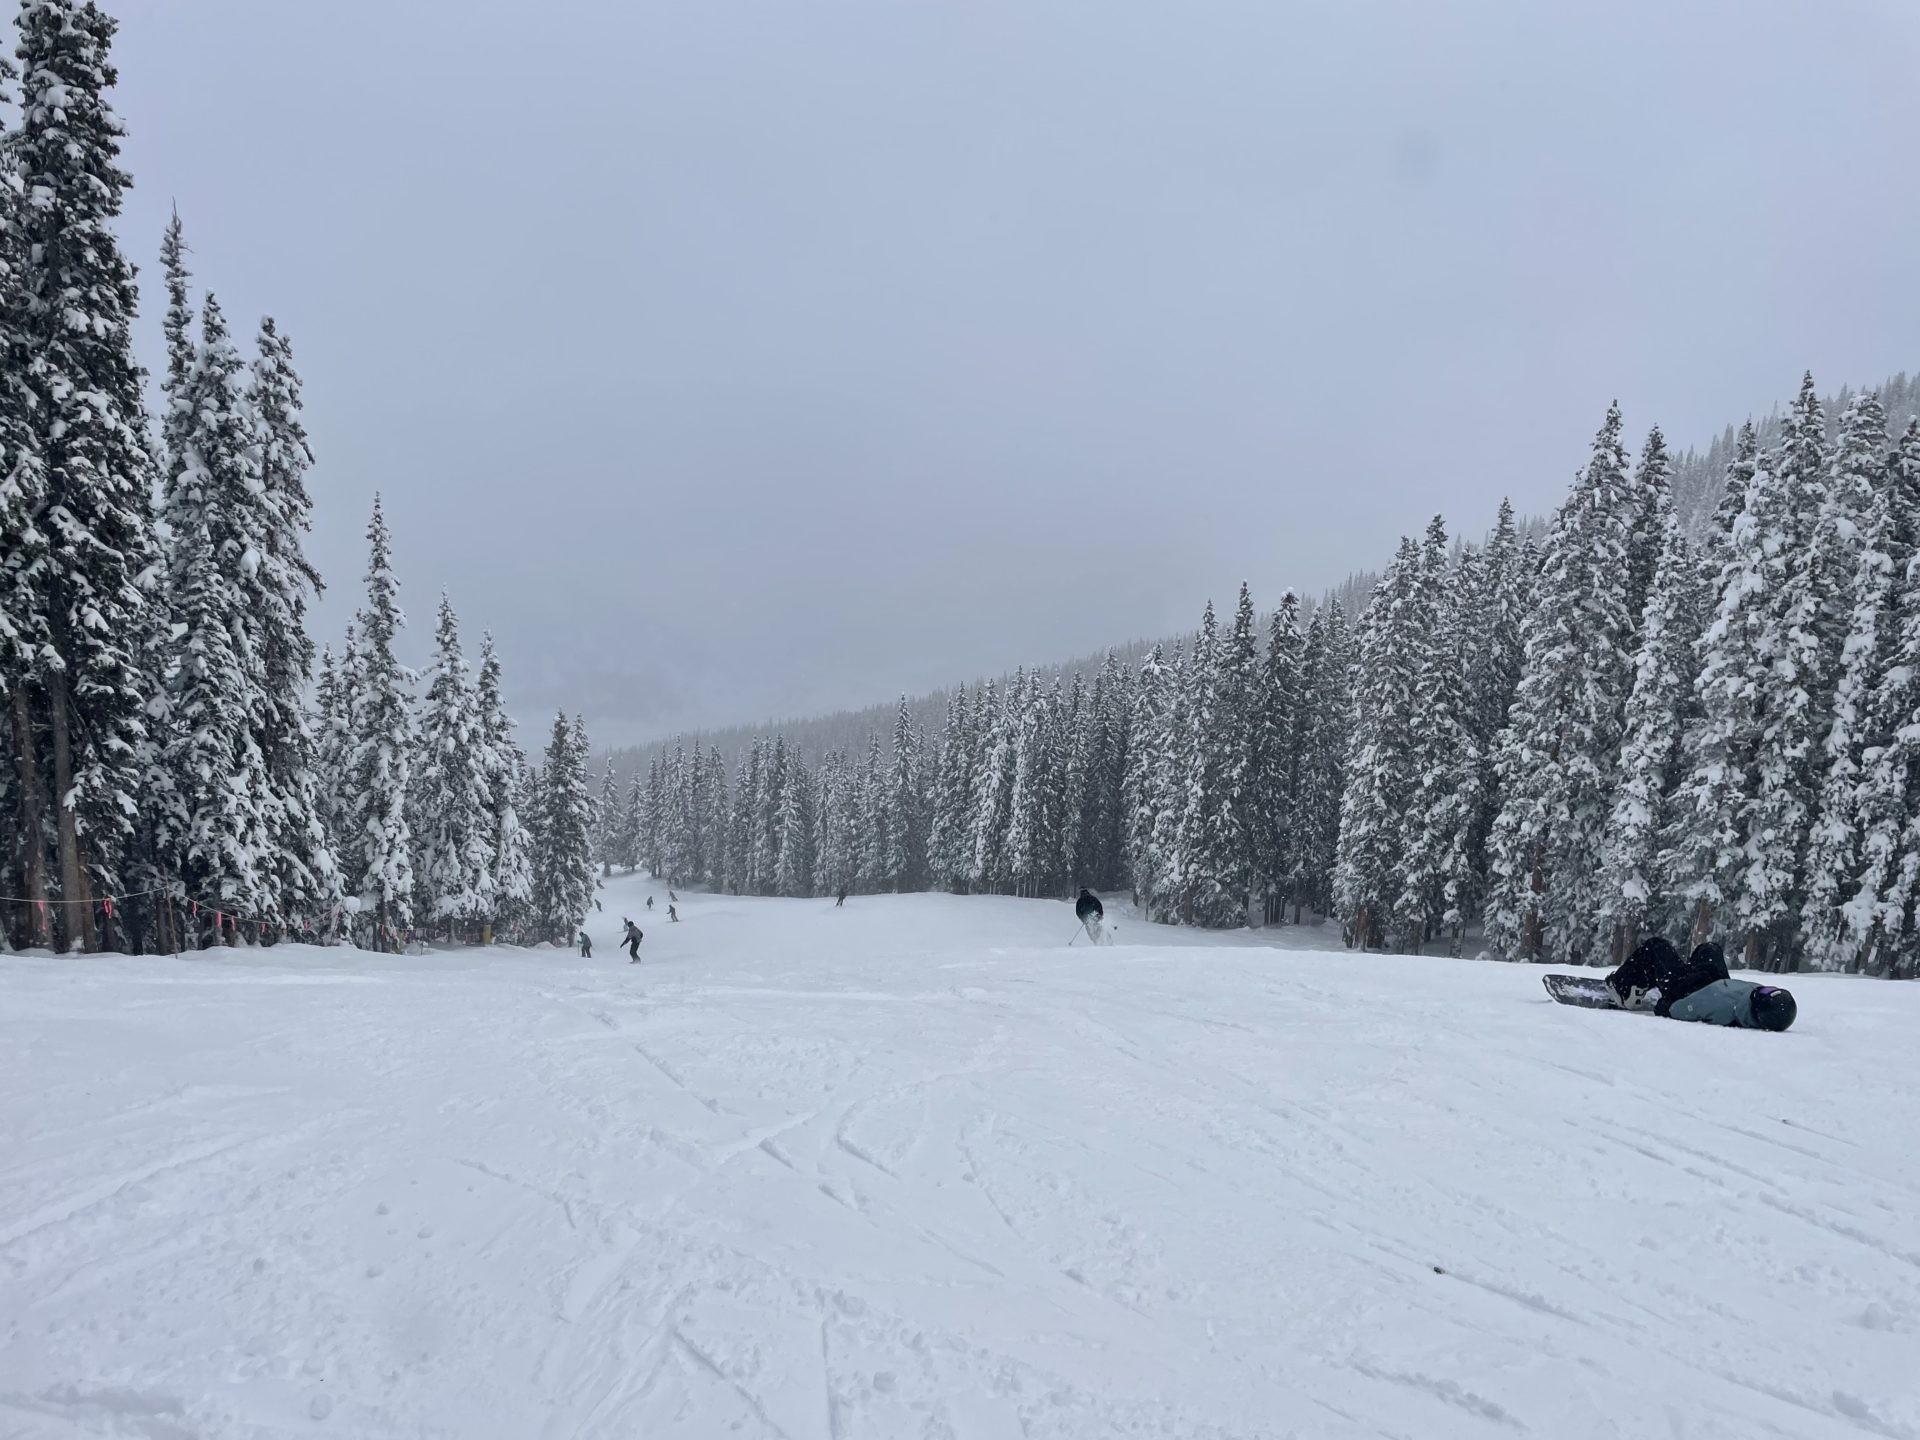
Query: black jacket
x=1088, y=905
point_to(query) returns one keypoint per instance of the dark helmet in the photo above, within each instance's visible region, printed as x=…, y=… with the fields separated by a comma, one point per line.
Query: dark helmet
x=1773, y=1008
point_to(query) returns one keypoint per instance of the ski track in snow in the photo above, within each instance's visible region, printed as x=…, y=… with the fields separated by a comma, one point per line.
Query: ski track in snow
x=915, y=1168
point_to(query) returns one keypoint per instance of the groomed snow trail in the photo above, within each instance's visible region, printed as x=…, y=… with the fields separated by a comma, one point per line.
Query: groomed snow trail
x=915, y=1168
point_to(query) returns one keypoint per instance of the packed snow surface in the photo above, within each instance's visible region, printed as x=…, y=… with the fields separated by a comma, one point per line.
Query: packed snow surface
x=917, y=1168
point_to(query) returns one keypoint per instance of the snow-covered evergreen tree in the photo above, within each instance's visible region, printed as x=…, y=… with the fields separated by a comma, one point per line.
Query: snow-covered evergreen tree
x=1330, y=706
x=767, y=831
x=1157, y=770
x=627, y=837
x=947, y=809
x=1078, y=735
x=835, y=867
x=1380, y=758
x=563, y=844
x=610, y=813
x=377, y=842
x=876, y=822
x=26, y=544
x=1743, y=811
x=222, y=829
x=993, y=781
x=1556, y=765
x=1110, y=731
x=453, y=813
x=1219, y=827
x=504, y=769
x=305, y=868
x=224, y=835
x=1882, y=906
x=1437, y=887
x=1024, y=855
x=795, y=876
x=78, y=502
x=1634, y=886
x=1802, y=646
x=717, y=803
x=1276, y=853
x=740, y=857
x=1860, y=523
x=906, y=858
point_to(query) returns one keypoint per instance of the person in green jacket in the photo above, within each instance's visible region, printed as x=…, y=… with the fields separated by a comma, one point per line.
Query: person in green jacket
x=1698, y=988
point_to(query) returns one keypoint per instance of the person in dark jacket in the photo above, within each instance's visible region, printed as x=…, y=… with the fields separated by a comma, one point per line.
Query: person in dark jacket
x=1698, y=988
x=1088, y=905
x=586, y=946
x=632, y=940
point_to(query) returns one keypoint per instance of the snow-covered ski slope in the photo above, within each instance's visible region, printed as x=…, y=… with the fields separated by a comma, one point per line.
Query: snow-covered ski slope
x=917, y=1168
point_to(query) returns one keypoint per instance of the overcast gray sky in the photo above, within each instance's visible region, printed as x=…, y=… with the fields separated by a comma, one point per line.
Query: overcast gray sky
x=743, y=359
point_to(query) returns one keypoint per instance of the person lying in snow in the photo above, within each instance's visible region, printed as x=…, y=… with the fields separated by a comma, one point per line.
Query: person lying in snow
x=1698, y=988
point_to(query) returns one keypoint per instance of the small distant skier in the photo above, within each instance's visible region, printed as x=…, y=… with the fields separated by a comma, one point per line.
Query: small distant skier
x=840, y=898
x=649, y=902
x=672, y=896
x=673, y=915
x=1698, y=988
x=1087, y=907
x=632, y=940
x=586, y=946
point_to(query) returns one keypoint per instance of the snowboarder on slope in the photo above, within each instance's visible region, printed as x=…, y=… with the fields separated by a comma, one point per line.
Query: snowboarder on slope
x=649, y=902
x=840, y=898
x=586, y=946
x=673, y=915
x=632, y=940
x=1698, y=988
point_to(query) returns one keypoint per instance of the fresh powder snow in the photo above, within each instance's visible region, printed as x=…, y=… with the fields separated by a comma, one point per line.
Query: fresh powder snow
x=919, y=1168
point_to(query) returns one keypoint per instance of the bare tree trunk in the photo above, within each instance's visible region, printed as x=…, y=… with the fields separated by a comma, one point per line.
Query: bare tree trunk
x=1752, y=954
x=78, y=907
x=1702, y=923
x=1625, y=932
x=31, y=820
x=1530, y=940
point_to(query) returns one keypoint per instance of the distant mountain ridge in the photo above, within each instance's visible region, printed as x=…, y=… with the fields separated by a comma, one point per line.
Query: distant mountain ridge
x=1699, y=476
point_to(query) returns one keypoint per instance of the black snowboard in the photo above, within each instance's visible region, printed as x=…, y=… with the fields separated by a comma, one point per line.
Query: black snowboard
x=1590, y=991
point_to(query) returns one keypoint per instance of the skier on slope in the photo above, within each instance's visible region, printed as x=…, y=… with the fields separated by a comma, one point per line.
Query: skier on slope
x=1698, y=988
x=1088, y=908
x=632, y=940
x=649, y=902
x=586, y=946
